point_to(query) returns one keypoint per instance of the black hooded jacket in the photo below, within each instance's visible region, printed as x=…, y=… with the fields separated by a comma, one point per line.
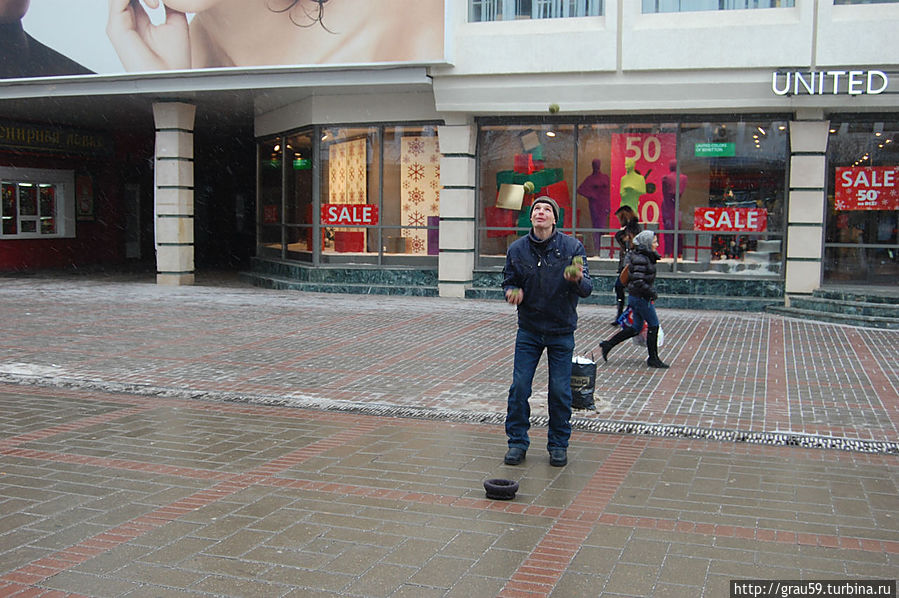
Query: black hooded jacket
x=642, y=270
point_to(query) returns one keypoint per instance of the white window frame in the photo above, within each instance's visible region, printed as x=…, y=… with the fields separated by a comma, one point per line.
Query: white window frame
x=509, y=10
x=64, y=180
x=670, y=6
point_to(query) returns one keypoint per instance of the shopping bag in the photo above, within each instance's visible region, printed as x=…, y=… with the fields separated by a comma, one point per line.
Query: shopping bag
x=626, y=319
x=583, y=382
x=640, y=339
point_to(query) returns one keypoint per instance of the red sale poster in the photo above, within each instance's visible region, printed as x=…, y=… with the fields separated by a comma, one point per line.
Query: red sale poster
x=652, y=153
x=730, y=219
x=867, y=188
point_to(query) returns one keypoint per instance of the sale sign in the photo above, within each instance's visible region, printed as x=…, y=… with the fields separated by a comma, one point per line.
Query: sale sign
x=349, y=214
x=753, y=220
x=867, y=188
x=652, y=154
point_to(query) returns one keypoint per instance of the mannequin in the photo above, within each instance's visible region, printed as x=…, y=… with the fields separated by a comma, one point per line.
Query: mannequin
x=633, y=185
x=672, y=187
x=596, y=189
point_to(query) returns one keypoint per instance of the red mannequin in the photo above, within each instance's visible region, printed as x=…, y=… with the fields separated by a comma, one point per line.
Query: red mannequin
x=596, y=189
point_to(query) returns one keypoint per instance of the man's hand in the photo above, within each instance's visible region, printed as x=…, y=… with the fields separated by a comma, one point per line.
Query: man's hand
x=574, y=273
x=514, y=296
x=143, y=46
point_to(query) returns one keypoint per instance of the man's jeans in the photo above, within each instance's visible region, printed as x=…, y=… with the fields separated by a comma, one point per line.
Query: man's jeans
x=529, y=347
x=643, y=311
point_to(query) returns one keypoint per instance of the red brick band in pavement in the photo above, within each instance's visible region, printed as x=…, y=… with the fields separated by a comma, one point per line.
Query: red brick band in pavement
x=874, y=370
x=539, y=572
x=777, y=405
x=104, y=418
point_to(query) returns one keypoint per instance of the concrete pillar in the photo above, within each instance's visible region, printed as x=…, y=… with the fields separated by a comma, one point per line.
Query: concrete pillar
x=174, y=193
x=807, y=205
x=458, y=220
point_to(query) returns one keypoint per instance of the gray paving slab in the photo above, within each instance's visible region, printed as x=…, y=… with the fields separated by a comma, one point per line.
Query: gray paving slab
x=222, y=440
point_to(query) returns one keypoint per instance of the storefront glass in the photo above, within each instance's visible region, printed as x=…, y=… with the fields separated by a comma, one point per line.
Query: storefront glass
x=271, y=186
x=33, y=202
x=861, y=244
x=372, y=196
x=714, y=191
x=298, y=200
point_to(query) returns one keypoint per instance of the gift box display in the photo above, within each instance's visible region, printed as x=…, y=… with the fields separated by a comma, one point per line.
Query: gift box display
x=511, y=209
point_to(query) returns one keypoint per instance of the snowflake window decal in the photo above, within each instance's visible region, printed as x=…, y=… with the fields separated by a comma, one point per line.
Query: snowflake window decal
x=416, y=172
x=416, y=196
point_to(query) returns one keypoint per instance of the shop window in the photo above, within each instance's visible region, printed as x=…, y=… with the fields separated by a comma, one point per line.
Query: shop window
x=271, y=186
x=36, y=203
x=349, y=190
x=378, y=195
x=655, y=6
x=511, y=156
x=510, y=10
x=862, y=202
x=411, y=193
x=713, y=191
x=298, y=196
x=731, y=208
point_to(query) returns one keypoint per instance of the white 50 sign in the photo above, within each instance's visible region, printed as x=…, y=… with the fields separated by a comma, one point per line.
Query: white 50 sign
x=652, y=154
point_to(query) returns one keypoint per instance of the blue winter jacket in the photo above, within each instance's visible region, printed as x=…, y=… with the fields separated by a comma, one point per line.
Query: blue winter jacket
x=537, y=268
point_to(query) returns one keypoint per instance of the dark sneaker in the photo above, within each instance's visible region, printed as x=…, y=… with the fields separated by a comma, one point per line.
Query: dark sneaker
x=514, y=456
x=558, y=457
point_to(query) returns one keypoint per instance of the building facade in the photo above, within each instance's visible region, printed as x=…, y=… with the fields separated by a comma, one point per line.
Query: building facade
x=762, y=143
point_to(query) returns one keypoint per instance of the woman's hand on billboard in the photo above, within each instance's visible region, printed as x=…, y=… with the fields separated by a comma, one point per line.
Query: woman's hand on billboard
x=143, y=46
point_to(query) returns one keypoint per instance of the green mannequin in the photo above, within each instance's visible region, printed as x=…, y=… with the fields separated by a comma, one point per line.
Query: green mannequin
x=633, y=185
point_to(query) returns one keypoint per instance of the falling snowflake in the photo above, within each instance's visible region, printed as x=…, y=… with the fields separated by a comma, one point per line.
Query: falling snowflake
x=416, y=172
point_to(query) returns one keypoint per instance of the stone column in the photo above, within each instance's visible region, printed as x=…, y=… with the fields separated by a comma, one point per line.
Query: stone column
x=174, y=193
x=807, y=204
x=458, y=220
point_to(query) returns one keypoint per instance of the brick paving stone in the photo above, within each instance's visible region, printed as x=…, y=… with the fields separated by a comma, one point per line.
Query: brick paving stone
x=237, y=442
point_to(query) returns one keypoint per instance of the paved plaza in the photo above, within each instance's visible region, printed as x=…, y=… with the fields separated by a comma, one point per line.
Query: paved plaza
x=223, y=440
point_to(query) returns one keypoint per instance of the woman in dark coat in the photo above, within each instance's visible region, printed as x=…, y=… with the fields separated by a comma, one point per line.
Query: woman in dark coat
x=630, y=228
x=641, y=262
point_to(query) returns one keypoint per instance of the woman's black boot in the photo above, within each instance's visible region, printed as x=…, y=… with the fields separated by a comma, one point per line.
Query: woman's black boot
x=620, y=336
x=652, y=345
x=620, y=304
